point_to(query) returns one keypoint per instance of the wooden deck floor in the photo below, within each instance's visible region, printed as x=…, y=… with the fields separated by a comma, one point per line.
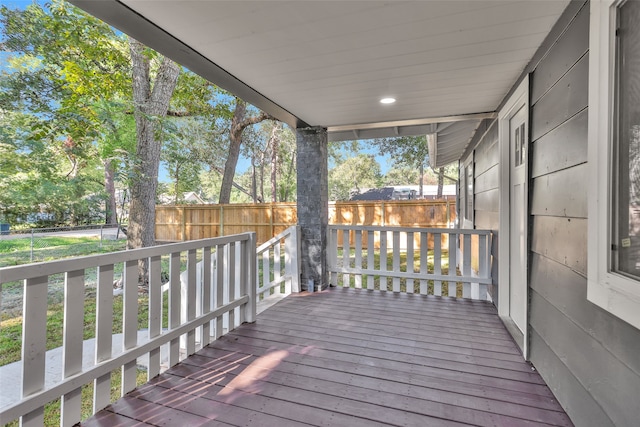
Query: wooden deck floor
x=351, y=358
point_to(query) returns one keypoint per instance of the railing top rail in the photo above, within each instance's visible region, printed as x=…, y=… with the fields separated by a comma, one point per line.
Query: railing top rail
x=29, y=271
x=410, y=229
x=274, y=239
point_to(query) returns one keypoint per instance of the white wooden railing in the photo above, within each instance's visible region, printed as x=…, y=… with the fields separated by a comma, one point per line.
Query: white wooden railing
x=279, y=264
x=434, y=261
x=230, y=285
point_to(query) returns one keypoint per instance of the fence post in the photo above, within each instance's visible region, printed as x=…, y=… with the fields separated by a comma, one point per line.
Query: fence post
x=32, y=245
x=101, y=227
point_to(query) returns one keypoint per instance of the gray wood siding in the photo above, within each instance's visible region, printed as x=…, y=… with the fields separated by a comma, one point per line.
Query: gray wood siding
x=588, y=357
x=486, y=193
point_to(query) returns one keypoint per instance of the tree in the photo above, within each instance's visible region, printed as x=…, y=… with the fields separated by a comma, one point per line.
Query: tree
x=239, y=122
x=186, y=139
x=62, y=63
x=151, y=104
x=411, y=151
x=354, y=174
x=402, y=175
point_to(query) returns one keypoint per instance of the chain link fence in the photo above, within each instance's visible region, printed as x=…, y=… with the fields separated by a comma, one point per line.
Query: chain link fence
x=48, y=244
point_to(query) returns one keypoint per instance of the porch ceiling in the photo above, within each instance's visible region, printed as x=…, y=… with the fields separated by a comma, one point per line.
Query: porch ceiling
x=328, y=64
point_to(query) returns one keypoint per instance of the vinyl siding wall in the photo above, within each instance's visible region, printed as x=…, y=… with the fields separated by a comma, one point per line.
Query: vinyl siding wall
x=589, y=358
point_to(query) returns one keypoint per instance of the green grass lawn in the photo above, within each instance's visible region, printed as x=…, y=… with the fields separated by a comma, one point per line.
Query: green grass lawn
x=18, y=251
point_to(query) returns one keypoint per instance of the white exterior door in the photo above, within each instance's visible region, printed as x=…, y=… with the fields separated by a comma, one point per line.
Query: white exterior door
x=517, y=218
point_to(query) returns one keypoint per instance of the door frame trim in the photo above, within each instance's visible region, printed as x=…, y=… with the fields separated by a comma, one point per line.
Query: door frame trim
x=519, y=99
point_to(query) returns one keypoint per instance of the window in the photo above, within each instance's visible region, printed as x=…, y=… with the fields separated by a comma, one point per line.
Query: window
x=626, y=143
x=614, y=158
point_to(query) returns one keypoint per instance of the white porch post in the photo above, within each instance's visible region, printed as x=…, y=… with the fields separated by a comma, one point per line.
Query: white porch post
x=313, y=204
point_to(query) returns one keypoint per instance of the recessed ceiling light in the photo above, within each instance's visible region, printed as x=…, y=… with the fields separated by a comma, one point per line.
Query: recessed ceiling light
x=387, y=100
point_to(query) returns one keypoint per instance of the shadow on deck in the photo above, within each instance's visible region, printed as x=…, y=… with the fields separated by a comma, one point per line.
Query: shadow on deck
x=349, y=357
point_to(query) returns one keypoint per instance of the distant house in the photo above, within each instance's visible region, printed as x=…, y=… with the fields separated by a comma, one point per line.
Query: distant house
x=190, y=198
x=404, y=192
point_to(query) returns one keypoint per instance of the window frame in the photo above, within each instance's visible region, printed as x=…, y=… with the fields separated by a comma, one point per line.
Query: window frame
x=614, y=292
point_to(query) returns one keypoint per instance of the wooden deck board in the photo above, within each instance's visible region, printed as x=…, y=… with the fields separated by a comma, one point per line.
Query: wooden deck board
x=351, y=358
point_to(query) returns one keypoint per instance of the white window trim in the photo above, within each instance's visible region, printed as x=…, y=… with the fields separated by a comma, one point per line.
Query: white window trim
x=613, y=292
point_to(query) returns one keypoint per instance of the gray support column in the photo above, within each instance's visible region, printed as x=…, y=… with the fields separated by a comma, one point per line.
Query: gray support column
x=313, y=204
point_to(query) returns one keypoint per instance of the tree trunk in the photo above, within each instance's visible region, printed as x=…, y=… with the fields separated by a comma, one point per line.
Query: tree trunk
x=275, y=138
x=254, y=185
x=150, y=105
x=238, y=124
x=440, y=182
x=111, y=216
x=285, y=196
x=262, y=154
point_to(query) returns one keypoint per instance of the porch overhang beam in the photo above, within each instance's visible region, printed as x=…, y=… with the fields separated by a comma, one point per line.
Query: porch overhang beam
x=414, y=122
x=411, y=127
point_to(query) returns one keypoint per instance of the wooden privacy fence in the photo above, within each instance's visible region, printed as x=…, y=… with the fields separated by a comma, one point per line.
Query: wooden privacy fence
x=191, y=222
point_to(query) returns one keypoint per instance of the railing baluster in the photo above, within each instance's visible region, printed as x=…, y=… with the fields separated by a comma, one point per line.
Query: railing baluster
x=174, y=305
x=104, y=331
x=277, y=273
x=396, y=260
x=453, y=252
x=34, y=344
x=358, y=258
x=219, y=294
x=410, y=262
x=155, y=313
x=266, y=270
x=130, y=323
x=231, y=283
x=466, y=266
x=424, y=262
x=483, y=261
x=370, y=258
x=333, y=255
x=248, y=263
x=191, y=299
x=205, y=336
x=346, y=257
x=383, y=259
x=72, y=343
x=237, y=288
x=289, y=259
x=437, y=262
